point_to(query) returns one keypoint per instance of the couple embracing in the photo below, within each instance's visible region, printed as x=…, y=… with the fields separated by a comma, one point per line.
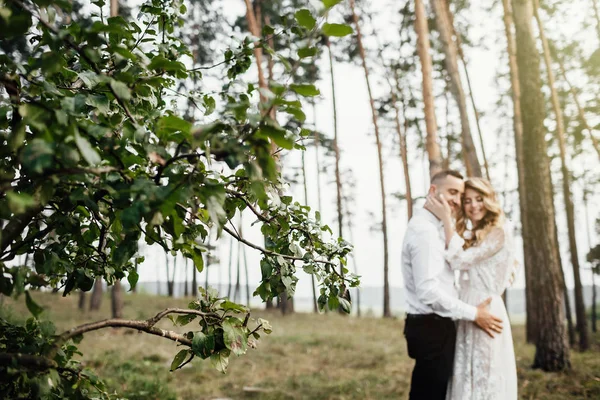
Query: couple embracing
x=460, y=338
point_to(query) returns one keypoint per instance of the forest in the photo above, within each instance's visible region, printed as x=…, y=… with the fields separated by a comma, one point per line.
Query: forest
x=177, y=176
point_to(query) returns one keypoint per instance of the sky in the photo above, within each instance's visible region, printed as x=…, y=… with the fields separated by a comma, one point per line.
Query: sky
x=359, y=154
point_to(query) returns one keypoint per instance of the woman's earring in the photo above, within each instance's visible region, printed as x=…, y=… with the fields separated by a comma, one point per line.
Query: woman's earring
x=468, y=233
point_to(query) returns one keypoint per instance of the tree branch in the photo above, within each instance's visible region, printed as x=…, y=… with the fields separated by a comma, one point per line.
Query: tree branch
x=273, y=253
x=144, y=326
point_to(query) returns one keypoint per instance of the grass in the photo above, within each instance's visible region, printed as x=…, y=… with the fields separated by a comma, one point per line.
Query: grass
x=307, y=357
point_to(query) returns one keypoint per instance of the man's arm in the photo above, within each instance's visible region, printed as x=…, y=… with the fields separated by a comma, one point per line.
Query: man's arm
x=426, y=253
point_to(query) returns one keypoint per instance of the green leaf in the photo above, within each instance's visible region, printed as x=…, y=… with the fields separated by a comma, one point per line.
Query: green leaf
x=203, y=345
x=307, y=52
x=330, y=3
x=179, y=359
x=18, y=203
x=220, y=360
x=32, y=306
x=87, y=151
x=230, y=305
x=337, y=30
x=37, y=156
x=234, y=337
x=121, y=90
x=172, y=123
x=278, y=135
x=132, y=278
x=266, y=325
x=305, y=19
x=34, y=116
x=90, y=78
x=305, y=90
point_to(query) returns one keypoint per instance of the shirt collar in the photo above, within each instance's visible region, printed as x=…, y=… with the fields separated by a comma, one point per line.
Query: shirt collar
x=429, y=216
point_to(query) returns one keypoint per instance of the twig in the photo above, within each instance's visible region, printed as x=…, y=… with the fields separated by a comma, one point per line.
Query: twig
x=273, y=253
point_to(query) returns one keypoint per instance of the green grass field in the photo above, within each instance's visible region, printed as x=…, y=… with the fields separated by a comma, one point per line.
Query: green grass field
x=307, y=357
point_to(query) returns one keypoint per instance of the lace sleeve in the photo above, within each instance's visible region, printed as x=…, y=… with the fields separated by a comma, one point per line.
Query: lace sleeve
x=458, y=258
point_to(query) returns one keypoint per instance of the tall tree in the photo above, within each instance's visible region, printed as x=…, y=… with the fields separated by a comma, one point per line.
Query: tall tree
x=305, y=186
x=566, y=187
x=444, y=26
x=580, y=110
x=461, y=54
x=423, y=49
x=96, y=298
x=386, y=285
x=552, y=351
x=518, y=134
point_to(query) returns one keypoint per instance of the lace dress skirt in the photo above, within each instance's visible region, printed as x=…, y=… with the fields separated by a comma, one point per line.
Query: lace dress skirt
x=484, y=367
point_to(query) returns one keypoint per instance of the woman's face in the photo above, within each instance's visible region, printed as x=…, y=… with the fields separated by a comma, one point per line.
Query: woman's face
x=473, y=204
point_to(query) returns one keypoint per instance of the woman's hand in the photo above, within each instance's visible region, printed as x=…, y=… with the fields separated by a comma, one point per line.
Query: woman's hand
x=439, y=208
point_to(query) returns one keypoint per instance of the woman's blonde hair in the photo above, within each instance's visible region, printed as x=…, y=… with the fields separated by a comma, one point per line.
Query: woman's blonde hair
x=493, y=217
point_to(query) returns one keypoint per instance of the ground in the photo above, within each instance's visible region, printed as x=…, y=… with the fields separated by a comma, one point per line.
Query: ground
x=307, y=356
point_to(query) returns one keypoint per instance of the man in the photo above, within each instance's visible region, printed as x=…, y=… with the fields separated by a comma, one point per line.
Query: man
x=432, y=298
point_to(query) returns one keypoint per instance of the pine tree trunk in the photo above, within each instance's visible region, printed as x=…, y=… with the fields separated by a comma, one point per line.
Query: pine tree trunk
x=173, y=276
x=531, y=323
x=566, y=186
x=423, y=48
x=82, y=297
x=246, y=272
x=461, y=54
x=114, y=8
x=238, y=288
x=580, y=109
x=96, y=300
x=169, y=285
x=336, y=149
x=186, y=291
x=597, y=16
x=445, y=29
x=594, y=312
x=552, y=351
x=589, y=241
x=117, y=300
x=230, y=279
x=386, y=286
x=312, y=277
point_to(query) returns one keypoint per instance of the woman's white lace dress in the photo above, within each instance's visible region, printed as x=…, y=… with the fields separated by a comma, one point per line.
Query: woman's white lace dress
x=484, y=368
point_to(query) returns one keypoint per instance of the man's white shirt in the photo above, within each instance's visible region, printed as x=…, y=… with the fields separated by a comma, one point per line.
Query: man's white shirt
x=428, y=280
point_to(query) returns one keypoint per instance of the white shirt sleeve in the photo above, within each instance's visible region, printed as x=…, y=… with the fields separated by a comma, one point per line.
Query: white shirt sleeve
x=427, y=252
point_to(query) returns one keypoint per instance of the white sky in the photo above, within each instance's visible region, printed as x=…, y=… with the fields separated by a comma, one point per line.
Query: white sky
x=359, y=154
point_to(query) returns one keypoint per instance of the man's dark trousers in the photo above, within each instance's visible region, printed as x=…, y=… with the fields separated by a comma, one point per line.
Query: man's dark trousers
x=431, y=340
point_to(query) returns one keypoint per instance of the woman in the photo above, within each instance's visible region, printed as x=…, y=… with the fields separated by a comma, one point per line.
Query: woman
x=484, y=366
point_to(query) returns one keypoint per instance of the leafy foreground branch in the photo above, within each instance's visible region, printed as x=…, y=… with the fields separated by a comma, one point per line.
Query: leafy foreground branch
x=97, y=156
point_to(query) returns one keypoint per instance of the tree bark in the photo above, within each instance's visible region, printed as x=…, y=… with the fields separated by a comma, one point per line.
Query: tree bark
x=336, y=149
x=186, y=291
x=597, y=15
x=386, y=287
x=461, y=54
x=312, y=277
x=96, y=300
x=531, y=322
x=445, y=29
x=589, y=241
x=423, y=48
x=114, y=8
x=580, y=110
x=552, y=351
x=566, y=186
x=82, y=297
x=117, y=300
x=403, y=147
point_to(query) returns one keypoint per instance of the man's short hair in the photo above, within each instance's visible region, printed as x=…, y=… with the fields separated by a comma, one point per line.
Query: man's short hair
x=440, y=176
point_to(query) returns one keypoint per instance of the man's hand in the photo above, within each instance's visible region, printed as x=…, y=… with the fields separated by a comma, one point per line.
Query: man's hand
x=486, y=321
